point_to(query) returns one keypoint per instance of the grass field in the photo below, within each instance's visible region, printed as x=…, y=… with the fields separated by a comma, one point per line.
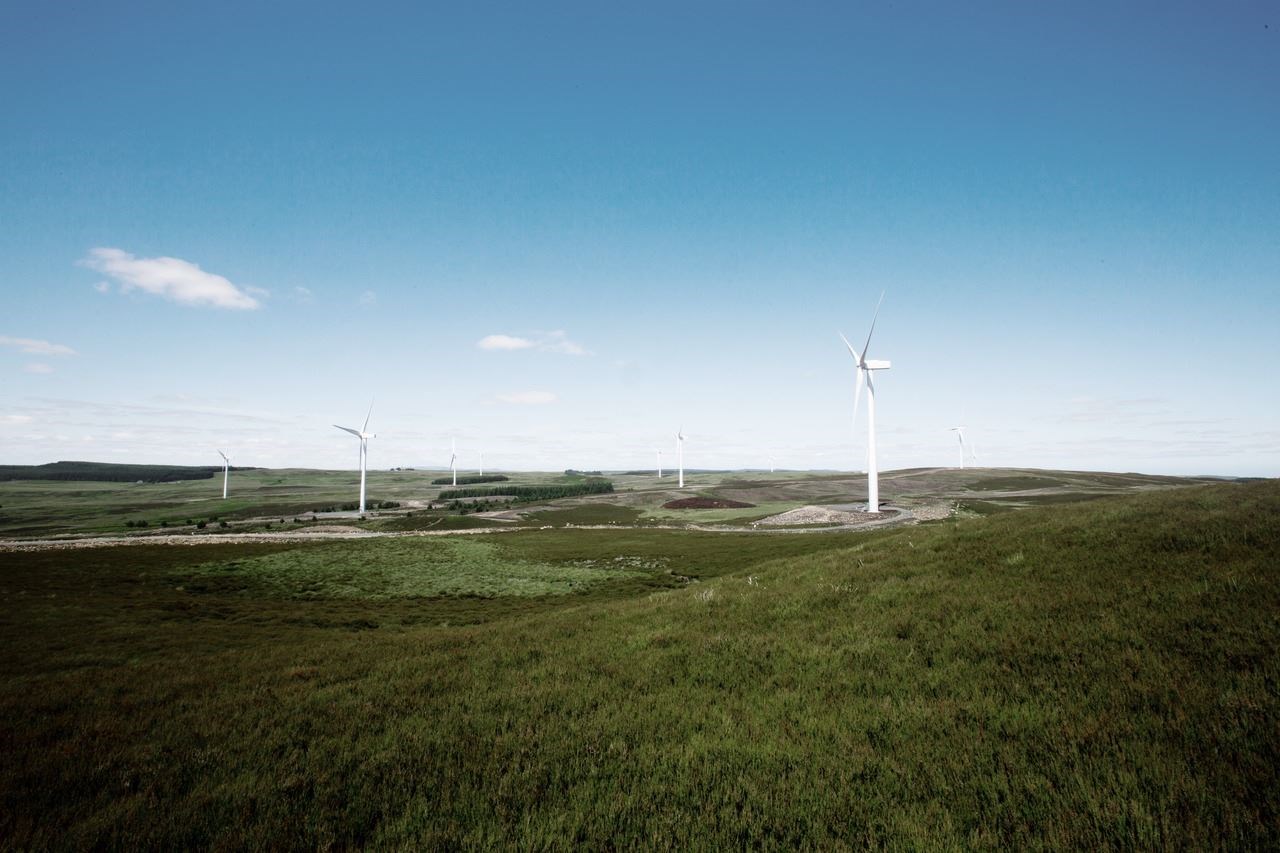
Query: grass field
x=1096, y=674
x=409, y=568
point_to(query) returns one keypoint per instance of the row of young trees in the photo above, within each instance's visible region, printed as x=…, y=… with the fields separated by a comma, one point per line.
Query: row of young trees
x=470, y=479
x=533, y=493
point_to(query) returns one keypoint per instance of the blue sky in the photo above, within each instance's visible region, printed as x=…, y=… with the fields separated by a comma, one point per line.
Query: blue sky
x=1074, y=210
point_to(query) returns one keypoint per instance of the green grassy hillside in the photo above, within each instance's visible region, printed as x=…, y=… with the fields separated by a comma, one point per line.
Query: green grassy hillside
x=1101, y=674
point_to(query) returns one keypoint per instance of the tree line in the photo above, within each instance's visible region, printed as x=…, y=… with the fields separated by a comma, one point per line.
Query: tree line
x=533, y=493
x=470, y=479
x=110, y=472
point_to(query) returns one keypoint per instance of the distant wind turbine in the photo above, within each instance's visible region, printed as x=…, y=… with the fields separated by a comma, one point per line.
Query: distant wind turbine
x=364, y=435
x=680, y=454
x=453, y=460
x=481, y=463
x=865, y=367
x=226, y=465
x=659, y=464
x=959, y=431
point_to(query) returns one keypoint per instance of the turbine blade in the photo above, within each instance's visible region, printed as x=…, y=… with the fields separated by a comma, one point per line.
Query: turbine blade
x=354, y=432
x=365, y=428
x=874, y=317
x=853, y=352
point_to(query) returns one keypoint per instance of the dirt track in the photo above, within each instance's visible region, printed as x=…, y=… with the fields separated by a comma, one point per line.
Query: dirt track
x=891, y=517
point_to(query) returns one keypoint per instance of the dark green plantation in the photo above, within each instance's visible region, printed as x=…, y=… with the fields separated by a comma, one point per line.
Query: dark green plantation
x=1100, y=674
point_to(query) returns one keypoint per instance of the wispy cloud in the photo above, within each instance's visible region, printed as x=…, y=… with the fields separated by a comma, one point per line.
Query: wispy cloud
x=33, y=346
x=37, y=367
x=15, y=419
x=1110, y=410
x=303, y=295
x=528, y=398
x=557, y=341
x=368, y=298
x=173, y=279
x=103, y=287
x=504, y=342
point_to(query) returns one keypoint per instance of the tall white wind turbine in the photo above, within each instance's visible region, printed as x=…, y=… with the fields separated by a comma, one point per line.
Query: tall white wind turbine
x=680, y=454
x=364, y=435
x=865, y=367
x=959, y=431
x=226, y=465
x=481, y=463
x=453, y=460
x=659, y=464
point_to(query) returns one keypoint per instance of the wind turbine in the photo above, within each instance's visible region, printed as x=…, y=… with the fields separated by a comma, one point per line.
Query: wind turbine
x=453, y=460
x=959, y=431
x=226, y=465
x=364, y=437
x=865, y=366
x=659, y=464
x=481, y=463
x=680, y=454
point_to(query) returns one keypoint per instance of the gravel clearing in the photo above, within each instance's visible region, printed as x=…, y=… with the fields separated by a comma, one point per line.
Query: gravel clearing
x=819, y=515
x=933, y=512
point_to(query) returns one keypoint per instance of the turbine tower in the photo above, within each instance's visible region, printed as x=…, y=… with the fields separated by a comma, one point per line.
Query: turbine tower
x=453, y=460
x=226, y=465
x=659, y=464
x=959, y=431
x=364, y=435
x=865, y=367
x=481, y=463
x=680, y=454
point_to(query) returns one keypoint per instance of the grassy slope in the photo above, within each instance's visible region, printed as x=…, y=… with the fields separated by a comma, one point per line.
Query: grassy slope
x=1086, y=675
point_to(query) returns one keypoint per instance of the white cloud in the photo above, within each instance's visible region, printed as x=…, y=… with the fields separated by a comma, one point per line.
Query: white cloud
x=368, y=298
x=559, y=342
x=528, y=398
x=103, y=287
x=503, y=342
x=556, y=341
x=171, y=278
x=302, y=294
x=15, y=419
x=32, y=346
x=37, y=367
